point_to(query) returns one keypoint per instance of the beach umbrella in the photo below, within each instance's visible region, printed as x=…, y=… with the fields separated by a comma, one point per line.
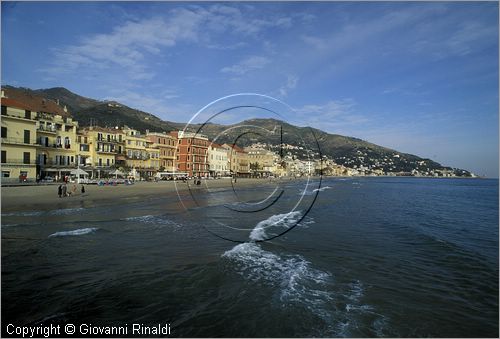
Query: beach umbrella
x=79, y=172
x=116, y=173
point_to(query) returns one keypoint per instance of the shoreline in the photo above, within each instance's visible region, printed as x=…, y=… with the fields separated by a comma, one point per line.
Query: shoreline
x=45, y=197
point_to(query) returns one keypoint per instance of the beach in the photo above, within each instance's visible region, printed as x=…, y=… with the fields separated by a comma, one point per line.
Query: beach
x=45, y=197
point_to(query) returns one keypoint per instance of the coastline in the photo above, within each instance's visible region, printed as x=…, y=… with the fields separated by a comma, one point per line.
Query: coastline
x=45, y=197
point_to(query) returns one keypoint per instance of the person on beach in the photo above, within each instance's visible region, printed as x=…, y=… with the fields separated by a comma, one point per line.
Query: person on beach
x=64, y=190
x=59, y=191
x=83, y=189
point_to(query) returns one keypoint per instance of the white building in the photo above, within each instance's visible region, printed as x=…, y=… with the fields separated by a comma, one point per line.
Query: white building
x=217, y=161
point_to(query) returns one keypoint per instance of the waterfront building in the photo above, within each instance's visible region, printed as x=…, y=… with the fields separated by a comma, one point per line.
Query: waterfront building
x=135, y=151
x=57, y=145
x=191, y=153
x=238, y=160
x=99, y=147
x=18, y=141
x=217, y=161
x=166, y=145
x=262, y=162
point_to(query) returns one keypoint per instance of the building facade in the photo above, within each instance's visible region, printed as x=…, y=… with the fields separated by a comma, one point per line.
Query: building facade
x=217, y=161
x=191, y=153
x=18, y=142
x=166, y=144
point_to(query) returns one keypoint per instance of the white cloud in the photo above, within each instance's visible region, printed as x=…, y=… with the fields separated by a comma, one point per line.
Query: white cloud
x=128, y=45
x=334, y=116
x=291, y=83
x=246, y=65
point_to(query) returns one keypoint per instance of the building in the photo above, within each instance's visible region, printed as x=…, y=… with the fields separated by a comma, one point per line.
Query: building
x=57, y=145
x=18, y=141
x=217, y=161
x=238, y=160
x=99, y=148
x=166, y=145
x=262, y=162
x=191, y=153
x=136, y=151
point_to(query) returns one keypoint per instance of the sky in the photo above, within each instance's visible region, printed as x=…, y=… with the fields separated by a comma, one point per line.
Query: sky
x=420, y=78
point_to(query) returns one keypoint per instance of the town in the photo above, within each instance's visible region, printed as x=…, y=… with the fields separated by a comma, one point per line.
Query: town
x=42, y=143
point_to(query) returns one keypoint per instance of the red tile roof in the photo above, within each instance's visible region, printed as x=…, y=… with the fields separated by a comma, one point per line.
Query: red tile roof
x=34, y=102
x=14, y=103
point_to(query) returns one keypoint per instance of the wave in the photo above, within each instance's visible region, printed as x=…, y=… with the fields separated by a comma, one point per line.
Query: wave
x=65, y=211
x=282, y=220
x=80, y=231
x=23, y=214
x=298, y=285
x=322, y=189
x=156, y=220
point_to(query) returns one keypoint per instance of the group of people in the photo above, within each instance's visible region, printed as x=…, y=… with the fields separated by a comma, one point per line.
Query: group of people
x=64, y=191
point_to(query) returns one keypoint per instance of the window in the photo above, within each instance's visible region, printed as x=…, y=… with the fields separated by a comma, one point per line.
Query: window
x=5, y=174
x=26, y=157
x=58, y=141
x=4, y=110
x=72, y=159
x=85, y=140
x=107, y=162
x=4, y=131
x=27, y=114
x=4, y=157
x=67, y=142
x=26, y=136
x=23, y=174
x=100, y=162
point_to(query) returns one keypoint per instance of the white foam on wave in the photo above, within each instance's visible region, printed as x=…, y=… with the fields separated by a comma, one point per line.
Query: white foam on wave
x=80, y=231
x=156, y=220
x=298, y=284
x=322, y=189
x=280, y=220
x=65, y=211
x=23, y=214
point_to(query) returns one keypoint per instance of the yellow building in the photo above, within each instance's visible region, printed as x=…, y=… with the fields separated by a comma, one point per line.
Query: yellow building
x=99, y=148
x=262, y=161
x=166, y=145
x=18, y=142
x=57, y=147
x=238, y=160
x=136, y=152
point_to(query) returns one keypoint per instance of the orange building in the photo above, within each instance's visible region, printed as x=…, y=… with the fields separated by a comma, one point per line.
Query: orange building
x=166, y=143
x=191, y=153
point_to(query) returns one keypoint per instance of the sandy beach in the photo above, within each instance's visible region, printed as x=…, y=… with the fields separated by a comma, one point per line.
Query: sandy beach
x=45, y=197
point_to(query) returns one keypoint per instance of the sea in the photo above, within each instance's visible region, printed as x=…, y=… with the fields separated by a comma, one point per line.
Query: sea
x=322, y=257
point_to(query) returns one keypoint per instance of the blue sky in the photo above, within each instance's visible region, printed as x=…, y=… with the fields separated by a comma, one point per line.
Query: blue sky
x=420, y=78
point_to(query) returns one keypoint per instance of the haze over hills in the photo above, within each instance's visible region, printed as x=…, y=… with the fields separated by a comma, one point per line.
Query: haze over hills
x=348, y=151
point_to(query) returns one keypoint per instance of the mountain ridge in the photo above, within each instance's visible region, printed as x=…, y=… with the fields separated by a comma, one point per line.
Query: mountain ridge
x=347, y=151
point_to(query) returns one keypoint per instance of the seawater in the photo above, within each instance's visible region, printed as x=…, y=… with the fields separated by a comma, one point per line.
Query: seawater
x=376, y=257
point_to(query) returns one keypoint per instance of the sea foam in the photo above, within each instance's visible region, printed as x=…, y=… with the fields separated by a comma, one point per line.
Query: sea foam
x=80, y=231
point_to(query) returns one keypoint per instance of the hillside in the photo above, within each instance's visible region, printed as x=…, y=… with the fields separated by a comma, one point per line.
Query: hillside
x=347, y=151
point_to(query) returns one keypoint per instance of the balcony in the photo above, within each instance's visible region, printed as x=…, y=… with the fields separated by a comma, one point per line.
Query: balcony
x=104, y=151
x=52, y=163
x=45, y=129
x=18, y=141
x=63, y=147
x=18, y=162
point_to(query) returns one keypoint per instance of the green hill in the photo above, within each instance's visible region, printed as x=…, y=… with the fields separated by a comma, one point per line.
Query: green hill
x=348, y=151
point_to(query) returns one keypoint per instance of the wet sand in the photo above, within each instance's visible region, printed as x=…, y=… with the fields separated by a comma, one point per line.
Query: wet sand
x=45, y=197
